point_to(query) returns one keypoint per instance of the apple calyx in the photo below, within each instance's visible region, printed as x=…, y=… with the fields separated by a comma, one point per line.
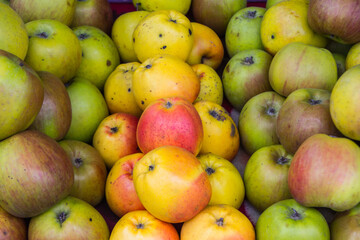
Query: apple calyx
x=151, y=167
x=148, y=66
x=83, y=36
x=251, y=14
x=247, y=61
x=314, y=102
x=295, y=215
x=220, y=222
x=173, y=20
x=216, y=115
x=271, y=111
x=282, y=160
x=114, y=130
x=78, y=162
x=140, y=226
x=209, y=170
x=42, y=35
x=168, y=105
x=61, y=217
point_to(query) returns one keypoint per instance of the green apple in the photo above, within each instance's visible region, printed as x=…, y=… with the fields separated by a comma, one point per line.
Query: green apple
x=29, y=10
x=88, y=110
x=99, y=55
x=53, y=47
x=246, y=75
x=287, y=219
x=182, y=6
x=257, y=121
x=243, y=30
x=12, y=227
x=270, y=3
x=71, y=218
x=345, y=225
x=22, y=94
x=13, y=35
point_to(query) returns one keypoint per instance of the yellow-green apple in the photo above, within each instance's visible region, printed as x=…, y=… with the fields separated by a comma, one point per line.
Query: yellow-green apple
x=141, y=224
x=164, y=76
x=99, y=55
x=163, y=32
x=344, y=109
x=118, y=92
x=35, y=174
x=171, y=184
x=266, y=175
x=216, y=14
x=120, y=193
x=218, y=222
x=345, y=225
x=208, y=48
x=270, y=3
x=70, y=218
x=257, y=121
x=304, y=113
x=22, y=94
x=287, y=219
x=122, y=34
x=340, y=60
x=88, y=109
x=53, y=47
x=13, y=34
x=115, y=137
x=182, y=6
x=353, y=56
x=299, y=65
x=243, y=30
x=54, y=118
x=60, y=10
x=89, y=171
x=211, y=86
x=221, y=136
x=227, y=186
x=246, y=75
x=12, y=227
x=96, y=13
x=170, y=121
x=324, y=172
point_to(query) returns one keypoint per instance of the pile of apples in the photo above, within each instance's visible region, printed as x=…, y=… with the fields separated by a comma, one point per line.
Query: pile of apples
x=189, y=119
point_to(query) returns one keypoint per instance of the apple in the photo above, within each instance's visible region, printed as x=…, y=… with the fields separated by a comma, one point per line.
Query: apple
x=221, y=136
x=70, y=218
x=353, y=56
x=178, y=173
x=257, y=121
x=207, y=49
x=218, y=222
x=21, y=96
x=288, y=219
x=13, y=34
x=265, y=176
x=88, y=110
x=54, y=48
x=216, y=14
x=120, y=193
x=344, y=109
x=305, y=112
x=246, y=75
x=12, y=227
x=335, y=19
x=243, y=30
x=141, y=224
x=163, y=32
x=345, y=225
x=182, y=6
x=170, y=121
x=54, y=118
x=35, y=174
x=325, y=171
x=340, y=60
x=115, y=137
x=96, y=13
x=299, y=65
x=89, y=171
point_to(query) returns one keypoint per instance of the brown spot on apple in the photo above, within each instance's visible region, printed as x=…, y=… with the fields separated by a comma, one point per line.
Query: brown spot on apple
x=108, y=63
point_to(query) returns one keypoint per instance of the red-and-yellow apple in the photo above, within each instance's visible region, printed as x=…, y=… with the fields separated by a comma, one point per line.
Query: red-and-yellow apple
x=12, y=227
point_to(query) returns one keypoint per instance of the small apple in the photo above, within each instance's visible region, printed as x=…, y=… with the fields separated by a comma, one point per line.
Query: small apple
x=345, y=225
x=12, y=227
x=353, y=56
x=182, y=6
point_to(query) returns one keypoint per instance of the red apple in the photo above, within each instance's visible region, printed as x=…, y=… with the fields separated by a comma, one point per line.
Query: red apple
x=12, y=227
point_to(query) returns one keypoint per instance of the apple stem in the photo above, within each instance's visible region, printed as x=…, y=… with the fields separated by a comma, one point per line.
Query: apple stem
x=220, y=222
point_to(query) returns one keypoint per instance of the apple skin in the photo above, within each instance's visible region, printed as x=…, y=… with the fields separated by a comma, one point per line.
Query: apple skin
x=345, y=225
x=141, y=224
x=352, y=56
x=70, y=218
x=177, y=172
x=246, y=75
x=89, y=171
x=325, y=18
x=298, y=65
x=218, y=222
x=265, y=176
x=309, y=180
x=21, y=96
x=257, y=121
x=36, y=166
x=182, y=6
x=170, y=121
x=12, y=227
x=54, y=118
x=13, y=34
x=288, y=219
x=54, y=48
x=305, y=112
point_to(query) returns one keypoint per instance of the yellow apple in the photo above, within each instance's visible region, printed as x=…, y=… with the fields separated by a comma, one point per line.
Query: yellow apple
x=353, y=56
x=182, y=6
